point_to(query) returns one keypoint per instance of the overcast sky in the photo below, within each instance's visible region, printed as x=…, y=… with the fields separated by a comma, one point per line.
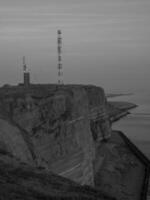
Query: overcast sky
x=105, y=42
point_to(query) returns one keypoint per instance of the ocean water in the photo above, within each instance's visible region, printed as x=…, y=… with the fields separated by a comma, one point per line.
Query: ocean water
x=136, y=125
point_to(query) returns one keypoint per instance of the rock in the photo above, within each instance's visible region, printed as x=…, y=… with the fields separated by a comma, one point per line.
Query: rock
x=54, y=127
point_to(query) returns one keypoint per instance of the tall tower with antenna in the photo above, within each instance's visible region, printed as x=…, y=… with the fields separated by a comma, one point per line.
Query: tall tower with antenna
x=60, y=68
x=26, y=74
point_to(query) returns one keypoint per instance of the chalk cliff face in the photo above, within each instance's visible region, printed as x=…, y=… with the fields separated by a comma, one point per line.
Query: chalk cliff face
x=55, y=128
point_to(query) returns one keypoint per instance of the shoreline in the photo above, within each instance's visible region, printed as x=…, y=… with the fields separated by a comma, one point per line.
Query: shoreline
x=118, y=110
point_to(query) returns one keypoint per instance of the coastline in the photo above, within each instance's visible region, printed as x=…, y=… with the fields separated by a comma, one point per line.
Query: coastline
x=118, y=110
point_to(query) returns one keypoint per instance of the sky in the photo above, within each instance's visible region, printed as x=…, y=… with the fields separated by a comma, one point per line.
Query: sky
x=105, y=42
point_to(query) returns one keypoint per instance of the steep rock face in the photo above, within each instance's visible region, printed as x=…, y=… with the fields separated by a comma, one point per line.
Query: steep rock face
x=99, y=119
x=11, y=140
x=59, y=129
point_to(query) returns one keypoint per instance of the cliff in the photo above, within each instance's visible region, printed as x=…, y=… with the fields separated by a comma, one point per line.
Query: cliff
x=55, y=127
x=64, y=130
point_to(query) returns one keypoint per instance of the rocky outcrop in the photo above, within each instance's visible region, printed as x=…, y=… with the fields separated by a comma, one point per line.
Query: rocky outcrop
x=49, y=129
x=117, y=110
x=56, y=128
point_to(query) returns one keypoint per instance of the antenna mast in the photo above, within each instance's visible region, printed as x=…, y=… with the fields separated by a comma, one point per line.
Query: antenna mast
x=60, y=69
x=24, y=65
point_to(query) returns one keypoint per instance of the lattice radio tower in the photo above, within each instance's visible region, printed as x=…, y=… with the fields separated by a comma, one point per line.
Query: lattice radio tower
x=60, y=68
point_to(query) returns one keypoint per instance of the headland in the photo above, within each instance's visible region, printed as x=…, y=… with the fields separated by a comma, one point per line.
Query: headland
x=57, y=142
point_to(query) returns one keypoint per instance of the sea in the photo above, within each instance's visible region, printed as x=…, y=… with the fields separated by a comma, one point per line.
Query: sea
x=137, y=124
